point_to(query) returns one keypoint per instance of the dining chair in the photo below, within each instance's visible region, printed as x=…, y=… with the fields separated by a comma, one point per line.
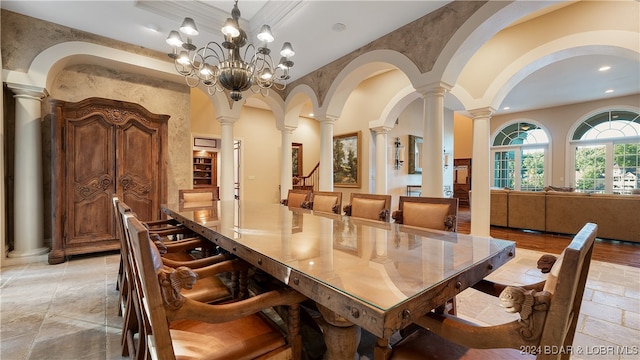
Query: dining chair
x=176, y=327
x=369, y=206
x=325, y=201
x=545, y=329
x=427, y=212
x=198, y=195
x=210, y=288
x=296, y=197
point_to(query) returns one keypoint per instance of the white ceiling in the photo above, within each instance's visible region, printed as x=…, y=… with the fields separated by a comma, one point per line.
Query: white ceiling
x=308, y=25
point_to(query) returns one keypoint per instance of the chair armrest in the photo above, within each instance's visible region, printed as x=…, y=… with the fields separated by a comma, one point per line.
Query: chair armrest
x=347, y=209
x=167, y=222
x=307, y=205
x=336, y=209
x=397, y=216
x=284, y=202
x=530, y=304
x=494, y=289
x=383, y=215
x=220, y=313
x=197, y=263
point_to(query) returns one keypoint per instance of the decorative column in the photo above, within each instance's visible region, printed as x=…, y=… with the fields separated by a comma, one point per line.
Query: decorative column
x=381, y=159
x=286, y=169
x=227, y=170
x=433, y=143
x=28, y=193
x=480, y=173
x=326, y=153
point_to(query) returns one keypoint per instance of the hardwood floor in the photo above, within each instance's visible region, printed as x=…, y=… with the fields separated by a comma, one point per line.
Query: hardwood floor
x=612, y=251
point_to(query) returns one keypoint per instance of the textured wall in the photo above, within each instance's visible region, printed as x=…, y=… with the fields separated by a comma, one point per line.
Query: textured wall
x=421, y=41
x=23, y=38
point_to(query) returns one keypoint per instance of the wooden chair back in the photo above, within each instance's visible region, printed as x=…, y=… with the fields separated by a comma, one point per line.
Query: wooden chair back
x=295, y=198
x=174, y=326
x=546, y=327
x=428, y=212
x=369, y=206
x=198, y=195
x=566, y=282
x=327, y=201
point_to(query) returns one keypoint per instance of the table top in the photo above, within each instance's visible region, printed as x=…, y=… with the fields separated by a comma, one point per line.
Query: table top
x=377, y=275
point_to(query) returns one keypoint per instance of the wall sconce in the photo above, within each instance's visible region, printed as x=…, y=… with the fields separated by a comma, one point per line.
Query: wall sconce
x=398, y=154
x=446, y=158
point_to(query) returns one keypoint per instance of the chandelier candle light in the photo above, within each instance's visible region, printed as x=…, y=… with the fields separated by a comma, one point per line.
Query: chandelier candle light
x=221, y=67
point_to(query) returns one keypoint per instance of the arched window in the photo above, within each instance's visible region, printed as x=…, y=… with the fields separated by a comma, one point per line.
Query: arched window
x=519, y=160
x=606, y=154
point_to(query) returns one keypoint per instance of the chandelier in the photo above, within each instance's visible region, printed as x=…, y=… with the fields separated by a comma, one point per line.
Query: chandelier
x=226, y=66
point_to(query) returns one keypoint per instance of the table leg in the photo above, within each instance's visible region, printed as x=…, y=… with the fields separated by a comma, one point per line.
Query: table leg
x=340, y=335
x=382, y=351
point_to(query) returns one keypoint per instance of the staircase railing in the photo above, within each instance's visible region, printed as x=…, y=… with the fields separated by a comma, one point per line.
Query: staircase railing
x=309, y=182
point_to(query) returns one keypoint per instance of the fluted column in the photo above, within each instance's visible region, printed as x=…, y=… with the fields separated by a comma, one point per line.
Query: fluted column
x=480, y=173
x=286, y=172
x=28, y=193
x=381, y=159
x=433, y=143
x=227, y=169
x=326, y=154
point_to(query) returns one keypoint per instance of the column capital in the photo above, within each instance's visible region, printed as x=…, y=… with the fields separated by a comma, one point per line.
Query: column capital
x=380, y=129
x=226, y=120
x=288, y=129
x=437, y=88
x=28, y=90
x=482, y=112
x=327, y=119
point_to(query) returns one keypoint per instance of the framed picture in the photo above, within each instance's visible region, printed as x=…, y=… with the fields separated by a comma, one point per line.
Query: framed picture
x=296, y=159
x=346, y=160
x=415, y=154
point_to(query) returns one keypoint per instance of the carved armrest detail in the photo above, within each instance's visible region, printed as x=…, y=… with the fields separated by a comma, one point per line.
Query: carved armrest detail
x=347, y=209
x=307, y=205
x=531, y=305
x=449, y=223
x=336, y=209
x=545, y=263
x=383, y=215
x=397, y=216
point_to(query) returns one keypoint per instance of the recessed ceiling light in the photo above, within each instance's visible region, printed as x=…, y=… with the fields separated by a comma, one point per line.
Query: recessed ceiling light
x=604, y=68
x=608, y=91
x=153, y=27
x=311, y=114
x=506, y=108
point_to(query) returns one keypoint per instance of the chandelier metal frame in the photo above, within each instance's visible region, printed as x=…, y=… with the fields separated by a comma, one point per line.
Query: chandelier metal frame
x=227, y=67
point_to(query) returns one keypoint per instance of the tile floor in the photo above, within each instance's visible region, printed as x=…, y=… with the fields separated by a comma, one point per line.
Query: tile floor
x=69, y=311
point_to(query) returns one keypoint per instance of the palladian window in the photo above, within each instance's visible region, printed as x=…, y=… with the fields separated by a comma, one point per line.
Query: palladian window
x=519, y=157
x=606, y=153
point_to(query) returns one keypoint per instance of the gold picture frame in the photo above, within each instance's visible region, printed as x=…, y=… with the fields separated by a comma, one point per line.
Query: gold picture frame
x=347, y=160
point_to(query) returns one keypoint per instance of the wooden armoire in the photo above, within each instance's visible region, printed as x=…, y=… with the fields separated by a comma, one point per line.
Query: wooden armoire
x=102, y=147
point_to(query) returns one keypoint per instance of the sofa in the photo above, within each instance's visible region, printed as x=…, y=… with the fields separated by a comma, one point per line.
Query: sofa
x=617, y=216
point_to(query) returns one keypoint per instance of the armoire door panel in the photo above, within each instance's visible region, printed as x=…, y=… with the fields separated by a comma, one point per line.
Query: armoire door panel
x=90, y=174
x=138, y=161
x=91, y=146
x=102, y=147
x=85, y=228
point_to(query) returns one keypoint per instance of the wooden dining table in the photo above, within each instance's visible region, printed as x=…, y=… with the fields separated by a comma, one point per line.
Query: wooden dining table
x=361, y=273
